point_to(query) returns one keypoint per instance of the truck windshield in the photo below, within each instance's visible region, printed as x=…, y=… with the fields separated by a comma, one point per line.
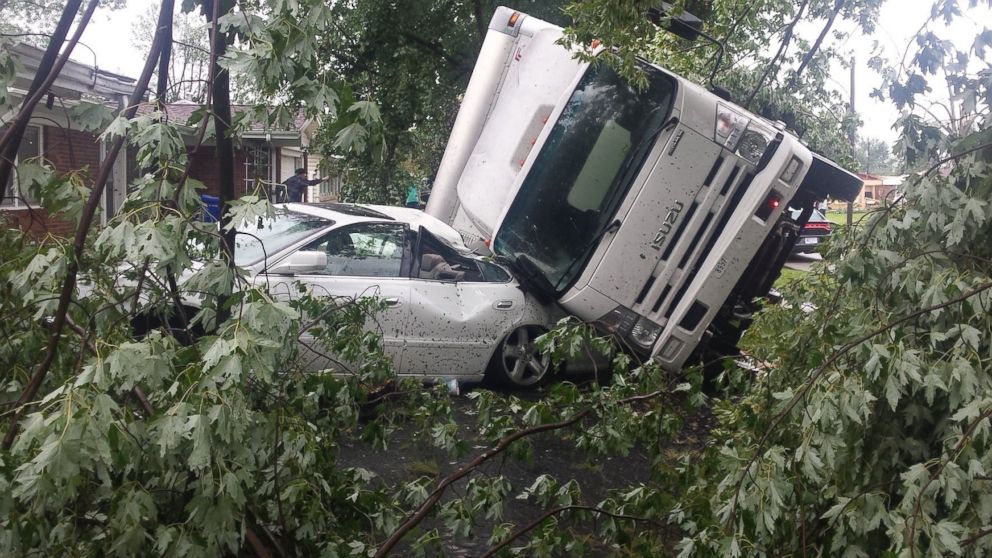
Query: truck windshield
x=583, y=172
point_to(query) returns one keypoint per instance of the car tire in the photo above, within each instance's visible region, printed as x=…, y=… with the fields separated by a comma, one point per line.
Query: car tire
x=517, y=362
x=142, y=324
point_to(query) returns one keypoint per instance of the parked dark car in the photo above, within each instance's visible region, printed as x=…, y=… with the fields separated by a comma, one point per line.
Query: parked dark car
x=817, y=229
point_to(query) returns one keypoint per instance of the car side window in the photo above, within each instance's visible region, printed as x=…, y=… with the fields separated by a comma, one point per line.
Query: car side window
x=363, y=250
x=437, y=262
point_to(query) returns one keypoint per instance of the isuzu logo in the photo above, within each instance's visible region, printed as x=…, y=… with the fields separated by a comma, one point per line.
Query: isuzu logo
x=669, y=221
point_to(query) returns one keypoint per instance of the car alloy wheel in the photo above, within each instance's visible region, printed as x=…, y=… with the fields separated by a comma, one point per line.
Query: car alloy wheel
x=518, y=362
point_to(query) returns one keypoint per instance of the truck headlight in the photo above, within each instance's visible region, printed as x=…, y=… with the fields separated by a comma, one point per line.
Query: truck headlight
x=644, y=333
x=626, y=323
x=754, y=141
x=621, y=320
x=747, y=138
x=730, y=126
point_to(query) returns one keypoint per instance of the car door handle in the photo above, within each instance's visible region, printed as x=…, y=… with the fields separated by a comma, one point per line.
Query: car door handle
x=503, y=304
x=392, y=301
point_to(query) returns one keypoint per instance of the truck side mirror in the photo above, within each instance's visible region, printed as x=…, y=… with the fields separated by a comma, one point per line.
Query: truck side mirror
x=684, y=25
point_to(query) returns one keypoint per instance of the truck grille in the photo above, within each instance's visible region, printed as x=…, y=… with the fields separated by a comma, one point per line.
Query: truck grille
x=703, y=225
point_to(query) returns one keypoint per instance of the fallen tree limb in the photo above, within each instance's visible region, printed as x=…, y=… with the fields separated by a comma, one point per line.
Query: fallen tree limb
x=819, y=371
x=421, y=512
x=555, y=511
x=82, y=231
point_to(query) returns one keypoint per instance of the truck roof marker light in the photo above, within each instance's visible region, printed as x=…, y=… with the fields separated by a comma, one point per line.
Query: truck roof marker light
x=514, y=17
x=595, y=43
x=488, y=242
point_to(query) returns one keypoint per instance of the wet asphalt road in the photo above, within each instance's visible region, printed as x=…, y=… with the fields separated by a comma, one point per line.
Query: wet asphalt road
x=410, y=455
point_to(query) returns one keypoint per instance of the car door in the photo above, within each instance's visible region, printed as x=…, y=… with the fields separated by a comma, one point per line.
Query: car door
x=363, y=260
x=458, y=313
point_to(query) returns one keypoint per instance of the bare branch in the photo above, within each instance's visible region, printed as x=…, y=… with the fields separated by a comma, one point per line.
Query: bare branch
x=781, y=49
x=838, y=5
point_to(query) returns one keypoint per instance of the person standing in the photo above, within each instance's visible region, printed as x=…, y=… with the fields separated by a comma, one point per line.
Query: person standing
x=296, y=185
x=413, y=196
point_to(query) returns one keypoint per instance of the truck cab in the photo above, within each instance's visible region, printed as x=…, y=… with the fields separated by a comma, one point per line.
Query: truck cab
x=657, y=213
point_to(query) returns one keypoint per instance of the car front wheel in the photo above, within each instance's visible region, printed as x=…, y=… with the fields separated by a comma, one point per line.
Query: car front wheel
x=518, y=362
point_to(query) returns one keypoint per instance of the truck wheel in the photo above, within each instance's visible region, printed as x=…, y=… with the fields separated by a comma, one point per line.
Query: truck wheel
x=517, y=362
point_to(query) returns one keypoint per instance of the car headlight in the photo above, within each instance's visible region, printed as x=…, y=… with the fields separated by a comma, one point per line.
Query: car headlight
x=623, y=321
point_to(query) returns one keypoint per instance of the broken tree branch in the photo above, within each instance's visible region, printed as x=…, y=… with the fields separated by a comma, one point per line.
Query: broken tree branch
x=79, y=241
x=819, y=371
x=555, y=511
x=421, y=512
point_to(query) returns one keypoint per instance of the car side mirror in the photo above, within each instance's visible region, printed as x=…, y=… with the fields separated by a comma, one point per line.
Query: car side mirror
x=302, y=261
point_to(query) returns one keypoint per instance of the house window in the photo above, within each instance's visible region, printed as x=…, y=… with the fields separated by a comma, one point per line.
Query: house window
x=14, y=194
x=257, y=166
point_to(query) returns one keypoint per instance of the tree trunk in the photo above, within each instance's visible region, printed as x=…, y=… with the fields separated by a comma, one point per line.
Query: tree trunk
x=225, y=145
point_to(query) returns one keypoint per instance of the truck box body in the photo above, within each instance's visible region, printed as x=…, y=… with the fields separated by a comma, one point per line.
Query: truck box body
x=658, y=213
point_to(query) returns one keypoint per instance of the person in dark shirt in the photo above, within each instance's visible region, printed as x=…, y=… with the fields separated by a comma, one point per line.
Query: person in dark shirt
x=296, y=185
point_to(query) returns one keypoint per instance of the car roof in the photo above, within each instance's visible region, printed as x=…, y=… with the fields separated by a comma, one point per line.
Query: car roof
x=815, y=216
x=362, y=213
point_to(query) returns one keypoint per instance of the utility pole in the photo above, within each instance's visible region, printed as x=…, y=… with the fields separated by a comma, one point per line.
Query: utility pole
x=851, y=137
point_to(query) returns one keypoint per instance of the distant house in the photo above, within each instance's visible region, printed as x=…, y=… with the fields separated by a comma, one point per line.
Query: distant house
x=50, y=135
x=877, y=189
x=263, y=156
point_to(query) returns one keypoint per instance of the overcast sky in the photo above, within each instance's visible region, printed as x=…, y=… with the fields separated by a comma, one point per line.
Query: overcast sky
x=109, y=37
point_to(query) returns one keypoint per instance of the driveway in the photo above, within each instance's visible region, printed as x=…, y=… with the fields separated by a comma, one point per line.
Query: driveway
x=803, y=262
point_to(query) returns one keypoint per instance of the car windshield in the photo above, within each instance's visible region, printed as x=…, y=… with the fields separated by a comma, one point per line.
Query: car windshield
x=583, y=171
x=283, y=230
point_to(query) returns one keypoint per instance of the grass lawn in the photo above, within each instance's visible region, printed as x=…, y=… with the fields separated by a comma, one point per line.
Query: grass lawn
x=840, y=217
x=788, y=275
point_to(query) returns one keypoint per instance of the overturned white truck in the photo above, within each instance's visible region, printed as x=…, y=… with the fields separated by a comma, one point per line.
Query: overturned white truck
x=658, y=213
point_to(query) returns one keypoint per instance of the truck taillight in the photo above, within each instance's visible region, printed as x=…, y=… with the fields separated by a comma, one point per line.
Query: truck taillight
x=771, y=203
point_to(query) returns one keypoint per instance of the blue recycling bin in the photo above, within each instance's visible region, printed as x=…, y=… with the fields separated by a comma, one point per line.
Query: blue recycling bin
x=212, y=213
